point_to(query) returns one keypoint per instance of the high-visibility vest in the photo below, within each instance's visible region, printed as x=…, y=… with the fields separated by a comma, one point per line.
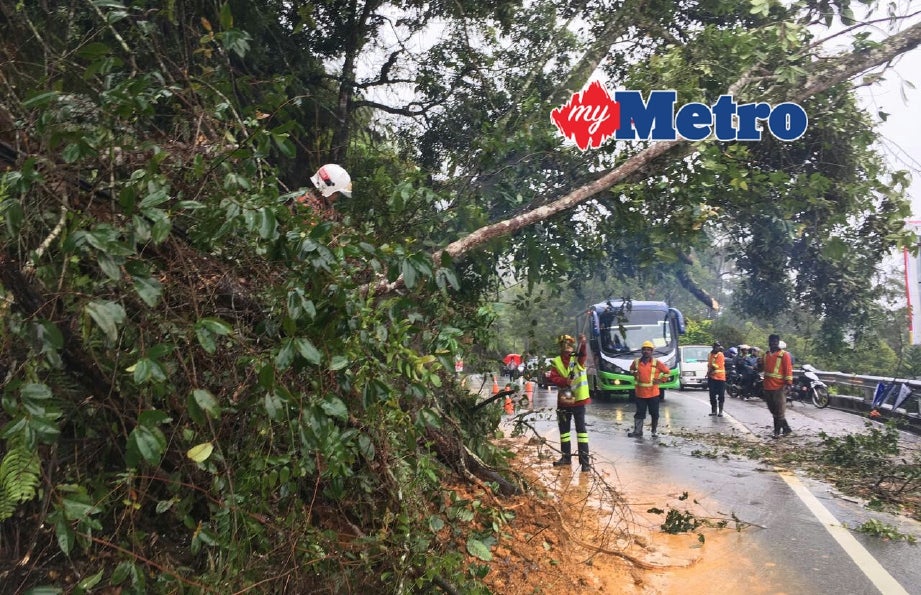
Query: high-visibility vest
x=776, y=373
x=578, y=384
x=717, y=366
x=646, y=386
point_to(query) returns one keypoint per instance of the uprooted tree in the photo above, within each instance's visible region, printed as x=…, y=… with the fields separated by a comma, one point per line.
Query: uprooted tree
x=203, y=390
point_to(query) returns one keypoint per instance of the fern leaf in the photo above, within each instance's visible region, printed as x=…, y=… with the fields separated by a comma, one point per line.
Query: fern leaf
x=19, y=473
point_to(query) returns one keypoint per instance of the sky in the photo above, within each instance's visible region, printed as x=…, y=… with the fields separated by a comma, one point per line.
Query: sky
x=901, y=132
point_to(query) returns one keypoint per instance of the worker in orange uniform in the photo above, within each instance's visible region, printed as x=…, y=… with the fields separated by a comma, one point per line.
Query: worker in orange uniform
x=716, y=379
x=648, y=372
x=777, y=366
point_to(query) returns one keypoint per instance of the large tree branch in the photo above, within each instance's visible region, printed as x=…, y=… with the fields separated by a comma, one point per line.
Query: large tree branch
x=827, y=73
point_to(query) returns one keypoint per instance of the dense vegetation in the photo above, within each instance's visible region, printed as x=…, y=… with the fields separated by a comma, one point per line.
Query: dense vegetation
x=203, y=391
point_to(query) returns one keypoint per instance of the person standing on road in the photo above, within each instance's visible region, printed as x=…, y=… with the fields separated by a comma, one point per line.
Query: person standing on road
x=648, y=372
x=567, y=372
x=778, y=375
x=716, y=379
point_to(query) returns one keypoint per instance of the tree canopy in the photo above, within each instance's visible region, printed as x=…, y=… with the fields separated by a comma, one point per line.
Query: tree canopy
x=181, y=349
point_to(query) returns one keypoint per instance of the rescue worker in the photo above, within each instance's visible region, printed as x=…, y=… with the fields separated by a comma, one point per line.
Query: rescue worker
x=778, y=375
x=648, y=373
x=716, y=379
x=329, y=182
x=567, y=372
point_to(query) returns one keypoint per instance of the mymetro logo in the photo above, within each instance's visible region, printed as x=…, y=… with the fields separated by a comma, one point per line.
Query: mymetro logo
x=592, y=116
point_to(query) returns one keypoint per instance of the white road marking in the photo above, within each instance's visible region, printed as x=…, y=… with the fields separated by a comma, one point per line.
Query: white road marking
x=861, y=557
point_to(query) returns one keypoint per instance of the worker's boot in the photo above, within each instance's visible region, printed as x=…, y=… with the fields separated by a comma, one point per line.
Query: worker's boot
x=637, y=429
x=785, y=427
x=655, y=428
x=583, y=457
x=566, y=459
x=712, y=406
x=776, y=429
x=720, y=413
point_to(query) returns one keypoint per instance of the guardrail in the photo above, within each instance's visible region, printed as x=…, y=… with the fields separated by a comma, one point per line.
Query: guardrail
x=862, y=388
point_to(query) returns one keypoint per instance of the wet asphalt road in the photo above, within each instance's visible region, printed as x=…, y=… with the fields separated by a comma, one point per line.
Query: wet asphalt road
x=797, y=541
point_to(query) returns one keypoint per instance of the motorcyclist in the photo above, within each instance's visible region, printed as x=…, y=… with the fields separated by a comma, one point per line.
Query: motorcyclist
x=732, y=372
x=749, y=370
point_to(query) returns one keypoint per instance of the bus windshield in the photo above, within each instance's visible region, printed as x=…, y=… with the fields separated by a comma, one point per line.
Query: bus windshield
x=628, y=336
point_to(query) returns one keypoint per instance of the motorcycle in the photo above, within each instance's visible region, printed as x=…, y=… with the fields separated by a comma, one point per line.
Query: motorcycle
x=808, y=387
x=739, y=388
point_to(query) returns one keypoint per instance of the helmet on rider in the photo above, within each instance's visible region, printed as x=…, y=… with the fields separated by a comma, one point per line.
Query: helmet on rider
x=566, y=341
x=733, y=352
x=332, y=178
x=648, y=344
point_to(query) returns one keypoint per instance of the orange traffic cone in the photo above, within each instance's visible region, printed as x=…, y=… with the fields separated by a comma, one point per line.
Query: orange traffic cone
x=495, y=386
x=509, y=406
x=529, y=390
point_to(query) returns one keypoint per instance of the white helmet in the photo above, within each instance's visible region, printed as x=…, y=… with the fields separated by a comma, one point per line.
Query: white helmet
x=782, y=344
x=332, y=178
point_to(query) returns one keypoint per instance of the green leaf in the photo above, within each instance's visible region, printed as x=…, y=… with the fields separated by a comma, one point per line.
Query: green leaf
x=65, y=535
x=308, y=351
x=478, y=549
x=409, y=274
x=108, y=315
x=335, y=407
x=274, y=406
x=285, y=355
x=41, y=100
x=147, y=443
x=161, y=229
x=200, y=452
x=148, y=289
x=91, y=581
x=338, y=362
x=35, y=391
x=206, y=401
x=216, y=326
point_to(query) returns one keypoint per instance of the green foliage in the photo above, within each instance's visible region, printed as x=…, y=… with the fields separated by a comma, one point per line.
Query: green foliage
x=19, y=475
x=698, y=332
x=869, y=451
x=884, y=531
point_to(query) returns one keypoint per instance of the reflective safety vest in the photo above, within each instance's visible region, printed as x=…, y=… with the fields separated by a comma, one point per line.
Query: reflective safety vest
x=646, y=376
x=578, y=384
x=716, y=364
x=778, y=370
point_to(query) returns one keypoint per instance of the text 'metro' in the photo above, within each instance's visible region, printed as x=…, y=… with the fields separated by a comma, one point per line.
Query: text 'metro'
x=593, y=115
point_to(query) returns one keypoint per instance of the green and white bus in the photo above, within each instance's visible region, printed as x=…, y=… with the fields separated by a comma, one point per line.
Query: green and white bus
x=618, y=328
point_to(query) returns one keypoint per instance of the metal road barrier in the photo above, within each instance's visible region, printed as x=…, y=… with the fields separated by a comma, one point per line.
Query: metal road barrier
x=855, y=391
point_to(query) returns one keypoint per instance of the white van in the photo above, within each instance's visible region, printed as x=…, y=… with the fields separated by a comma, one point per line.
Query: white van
x=692, y=360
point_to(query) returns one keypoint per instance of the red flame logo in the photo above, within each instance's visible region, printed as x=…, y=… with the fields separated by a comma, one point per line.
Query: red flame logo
x=589, y=117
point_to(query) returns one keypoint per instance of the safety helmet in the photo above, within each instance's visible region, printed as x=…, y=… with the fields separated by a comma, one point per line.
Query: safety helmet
x=332, y=178
x=717, y=345
x=648, y=344
x=782, y=344
x=733, y=351
x=745, y=347
x=565, y=340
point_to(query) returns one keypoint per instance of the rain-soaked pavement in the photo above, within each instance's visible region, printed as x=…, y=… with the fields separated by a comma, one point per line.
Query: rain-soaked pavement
x=795, y=538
